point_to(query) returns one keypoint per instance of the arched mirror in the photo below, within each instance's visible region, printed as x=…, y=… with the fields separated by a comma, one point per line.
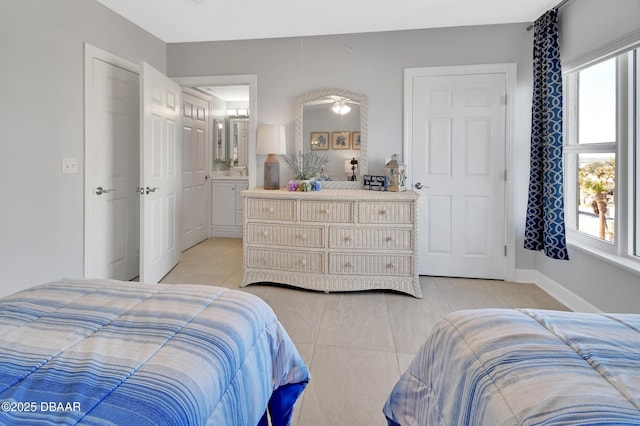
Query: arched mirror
x=333, y=122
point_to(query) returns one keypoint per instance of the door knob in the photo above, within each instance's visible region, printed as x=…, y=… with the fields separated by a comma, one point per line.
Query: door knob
x=148, y=190
x=418, y=185
x=100, y=190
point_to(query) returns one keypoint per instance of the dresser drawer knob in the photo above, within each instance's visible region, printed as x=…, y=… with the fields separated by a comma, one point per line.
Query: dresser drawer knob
x=383, y=211
x=326, y=211
x=302, y=236
x=390, y=265
x=348, y=265
x=271, y=210
x=265, y=233
x=303, y=262
x=389, y=238
x=348, y=238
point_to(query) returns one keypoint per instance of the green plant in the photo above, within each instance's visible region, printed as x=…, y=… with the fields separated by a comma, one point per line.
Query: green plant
x=307, y=165
x=595, y=176
x=222, y=164
x=595, y=186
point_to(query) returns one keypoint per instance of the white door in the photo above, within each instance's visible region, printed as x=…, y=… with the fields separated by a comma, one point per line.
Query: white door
x=196, y=161
x=112, y=170
x=458, y=156
x=161, y=176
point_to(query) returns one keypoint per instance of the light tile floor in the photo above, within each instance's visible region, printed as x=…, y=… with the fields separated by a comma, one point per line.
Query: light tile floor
x=355, y=344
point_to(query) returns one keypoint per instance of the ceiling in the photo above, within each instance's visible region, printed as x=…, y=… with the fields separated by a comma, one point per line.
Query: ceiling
x=175, y=21
x=228, y=93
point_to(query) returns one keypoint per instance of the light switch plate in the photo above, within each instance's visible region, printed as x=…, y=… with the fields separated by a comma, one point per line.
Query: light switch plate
x=69, y=165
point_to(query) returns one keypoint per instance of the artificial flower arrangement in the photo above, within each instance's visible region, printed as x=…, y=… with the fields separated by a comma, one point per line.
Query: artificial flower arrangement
x=306, y=167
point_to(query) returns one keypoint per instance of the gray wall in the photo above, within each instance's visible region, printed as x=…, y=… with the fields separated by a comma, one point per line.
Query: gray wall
x=288, y=67
x=41, y=117
x=586, y=26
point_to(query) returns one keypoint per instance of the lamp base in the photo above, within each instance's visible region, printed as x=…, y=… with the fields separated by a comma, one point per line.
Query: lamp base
x=272, y=172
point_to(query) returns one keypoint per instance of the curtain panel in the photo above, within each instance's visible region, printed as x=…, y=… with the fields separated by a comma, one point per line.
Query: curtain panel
x=545, y=227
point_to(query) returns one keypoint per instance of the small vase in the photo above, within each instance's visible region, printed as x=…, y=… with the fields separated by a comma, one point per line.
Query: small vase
x=304, y=185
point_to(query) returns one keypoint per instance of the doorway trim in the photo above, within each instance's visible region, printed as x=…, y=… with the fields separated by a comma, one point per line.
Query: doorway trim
x=510, y=72
x=90, y=53
x=232, y=80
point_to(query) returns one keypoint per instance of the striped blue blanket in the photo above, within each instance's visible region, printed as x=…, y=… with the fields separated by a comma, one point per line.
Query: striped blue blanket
x=115, y=353
x=523, y=367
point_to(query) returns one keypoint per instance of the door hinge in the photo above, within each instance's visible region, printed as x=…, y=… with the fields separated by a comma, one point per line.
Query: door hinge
x=505, y=175
x=505, y=251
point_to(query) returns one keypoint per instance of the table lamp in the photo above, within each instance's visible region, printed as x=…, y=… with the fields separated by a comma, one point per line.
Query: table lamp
x=272, y=142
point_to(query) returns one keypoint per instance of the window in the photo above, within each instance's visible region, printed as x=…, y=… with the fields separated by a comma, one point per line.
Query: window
x=600, y=156
x=601, y=159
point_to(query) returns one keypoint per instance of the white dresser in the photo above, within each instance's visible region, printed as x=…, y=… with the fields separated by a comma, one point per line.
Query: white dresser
x=332, y=240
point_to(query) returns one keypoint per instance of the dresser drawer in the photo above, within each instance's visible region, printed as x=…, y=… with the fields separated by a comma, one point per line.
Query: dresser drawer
x=284, y=235
x=370, y=238
x=285, y=260
x=260, y=208
x=385, y=212
x=368, y=264
x=326, y=211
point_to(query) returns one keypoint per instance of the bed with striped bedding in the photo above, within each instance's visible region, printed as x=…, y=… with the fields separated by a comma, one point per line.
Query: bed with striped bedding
x=523, y=367
x=118, y=353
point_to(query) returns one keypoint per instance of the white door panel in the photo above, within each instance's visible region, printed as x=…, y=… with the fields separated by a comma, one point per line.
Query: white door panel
x=161, y=179
x=458, y=154
x=195, y=162
x=112, y=164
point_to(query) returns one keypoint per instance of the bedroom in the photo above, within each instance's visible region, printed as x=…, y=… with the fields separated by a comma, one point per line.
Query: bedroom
x=47, y=227
x=42, y=45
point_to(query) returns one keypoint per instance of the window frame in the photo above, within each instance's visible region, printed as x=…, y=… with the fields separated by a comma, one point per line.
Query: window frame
x=626, y=244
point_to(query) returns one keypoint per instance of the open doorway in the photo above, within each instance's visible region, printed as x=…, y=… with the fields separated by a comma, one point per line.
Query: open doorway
x=215, y=123
x=112, y=232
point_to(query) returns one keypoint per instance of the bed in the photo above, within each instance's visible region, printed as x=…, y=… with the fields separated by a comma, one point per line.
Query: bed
x=107, y=352
x=523, y=367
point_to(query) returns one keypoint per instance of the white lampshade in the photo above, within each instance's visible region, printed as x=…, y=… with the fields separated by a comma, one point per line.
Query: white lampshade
x=271, y=139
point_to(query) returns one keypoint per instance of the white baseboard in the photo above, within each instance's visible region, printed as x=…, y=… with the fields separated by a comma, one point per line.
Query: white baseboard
x=560, y=293
x=226, y=233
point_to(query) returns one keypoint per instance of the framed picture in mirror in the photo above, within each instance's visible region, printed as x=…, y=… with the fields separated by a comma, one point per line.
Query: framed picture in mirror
x=340, y=140
x=355, y=140
x=319, y=141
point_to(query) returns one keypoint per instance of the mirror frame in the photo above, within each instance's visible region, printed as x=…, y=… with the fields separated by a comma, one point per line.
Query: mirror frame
x=364, y=105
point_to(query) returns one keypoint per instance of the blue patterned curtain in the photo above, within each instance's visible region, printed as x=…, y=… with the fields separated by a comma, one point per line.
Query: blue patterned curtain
x=545, y=229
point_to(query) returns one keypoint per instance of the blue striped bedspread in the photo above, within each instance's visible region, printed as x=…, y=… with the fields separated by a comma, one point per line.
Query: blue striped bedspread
x=114, y=353
x=523, y=367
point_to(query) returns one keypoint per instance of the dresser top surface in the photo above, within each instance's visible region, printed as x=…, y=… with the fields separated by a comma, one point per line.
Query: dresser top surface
x=333, y=194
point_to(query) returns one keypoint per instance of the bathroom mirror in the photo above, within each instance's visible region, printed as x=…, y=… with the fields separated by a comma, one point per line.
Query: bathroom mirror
x=322, y=128
x=219, y=139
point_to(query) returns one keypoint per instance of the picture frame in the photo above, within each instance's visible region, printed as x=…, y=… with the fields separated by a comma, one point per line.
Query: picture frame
x=375, y=183
x=355, y=140
x=341, y=140
x=319, y=141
